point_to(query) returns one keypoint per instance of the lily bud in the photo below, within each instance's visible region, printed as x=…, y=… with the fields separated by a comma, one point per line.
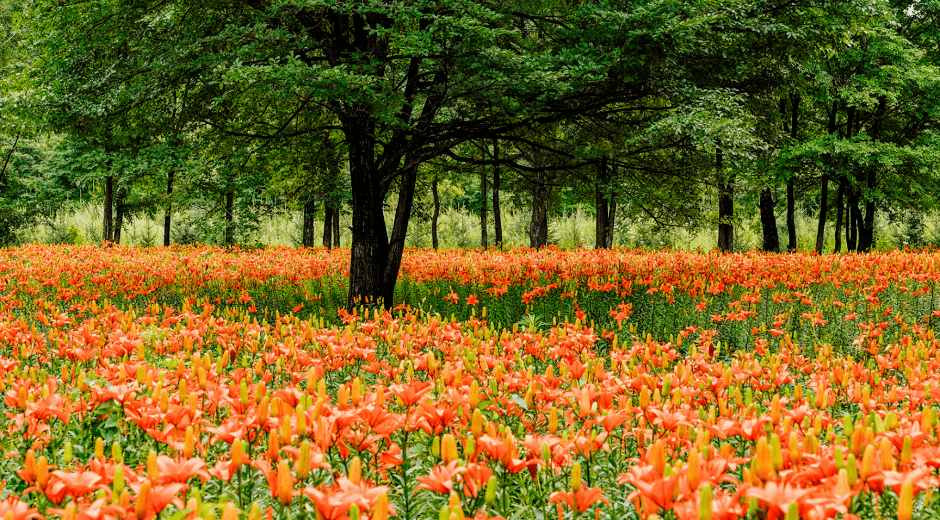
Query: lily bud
x=229, y=512
x=489, y=496
x=553, y=421
x=705, y=503
x=448, y=448
x=576, y=477
x=152, y=470
x=189, y=444
x=694, y=475
x=143, y=499
x=381, y=508
x=355, y=470
x=906, y=501
x=303, y=461
x=285, y=484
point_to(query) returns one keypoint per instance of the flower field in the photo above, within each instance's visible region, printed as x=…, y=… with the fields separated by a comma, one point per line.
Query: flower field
x=205, y=383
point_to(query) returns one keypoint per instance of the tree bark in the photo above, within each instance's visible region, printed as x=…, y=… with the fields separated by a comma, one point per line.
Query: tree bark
x=497, y=214
x=437, y=212
x=327, y=226
x=824, y=187
x=538, y=224
x=840, y=206
x=169, y=209
x=107, y=227
x=725, y=205
x=791, y=198
x=484, y=240
x=336, y=236
x=866, y=232
x=308, y=235
x=605, y=207
x=119, y=215
x=853, y=217
x=768, y=221
x=230, y=217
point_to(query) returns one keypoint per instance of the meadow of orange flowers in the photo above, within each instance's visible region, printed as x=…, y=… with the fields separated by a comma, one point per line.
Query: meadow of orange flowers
x=207, y=383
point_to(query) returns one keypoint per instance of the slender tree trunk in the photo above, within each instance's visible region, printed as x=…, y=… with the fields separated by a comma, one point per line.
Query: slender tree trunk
x=768, y=221
x=169, y=209
x=725, y=205
x=119, y=215
x=854, y=217
x=484, y=240
x=791, y=197
x=866, y=234
x=107, y=228
x=823, y=203
x=230, y=217
x=497, y=214
x=840, y=205
x=437, y=213
x=308, y=235
x=605, y=207
x=327, y=226
x=396, y=248
x=824, y=186
x=601, y=210
x=336, y=236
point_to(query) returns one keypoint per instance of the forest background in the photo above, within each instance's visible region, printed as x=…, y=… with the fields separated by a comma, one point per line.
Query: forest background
x=455, y=123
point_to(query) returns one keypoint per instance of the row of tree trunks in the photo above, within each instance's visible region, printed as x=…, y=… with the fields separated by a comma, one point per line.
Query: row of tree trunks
x=768, y=221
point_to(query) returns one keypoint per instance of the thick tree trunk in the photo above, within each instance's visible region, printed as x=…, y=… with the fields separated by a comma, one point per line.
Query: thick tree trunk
x=484, y=240
x=107, y=227
x=725, y=205
x=768, y=221
x=437, y=213
x=309, y=232
x=497, y=214
x=840, y=206
x=169, y=209
x=230, y=217
x=327, y=226
x=538, y=224
x=791, y=198
x=369, y=250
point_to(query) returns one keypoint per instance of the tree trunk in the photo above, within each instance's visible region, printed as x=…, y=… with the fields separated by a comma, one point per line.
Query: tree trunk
x=866, y=233
x=840, y=206
x=119, y=215
x=824, y=188
x=107, y=228
x=396, y=247
x=538, y=224
x=768, y=221
x=336, y=211
x=497, y=214
x=791, y=198
x=327, y=226
x=605, y=207
x=230, y=217
x=169, y=208
x=437, y=212
x=369, y=250
x=308, y=235
x=484, y=240
x=823, y=202
x=725, y=206
x=854, y=215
